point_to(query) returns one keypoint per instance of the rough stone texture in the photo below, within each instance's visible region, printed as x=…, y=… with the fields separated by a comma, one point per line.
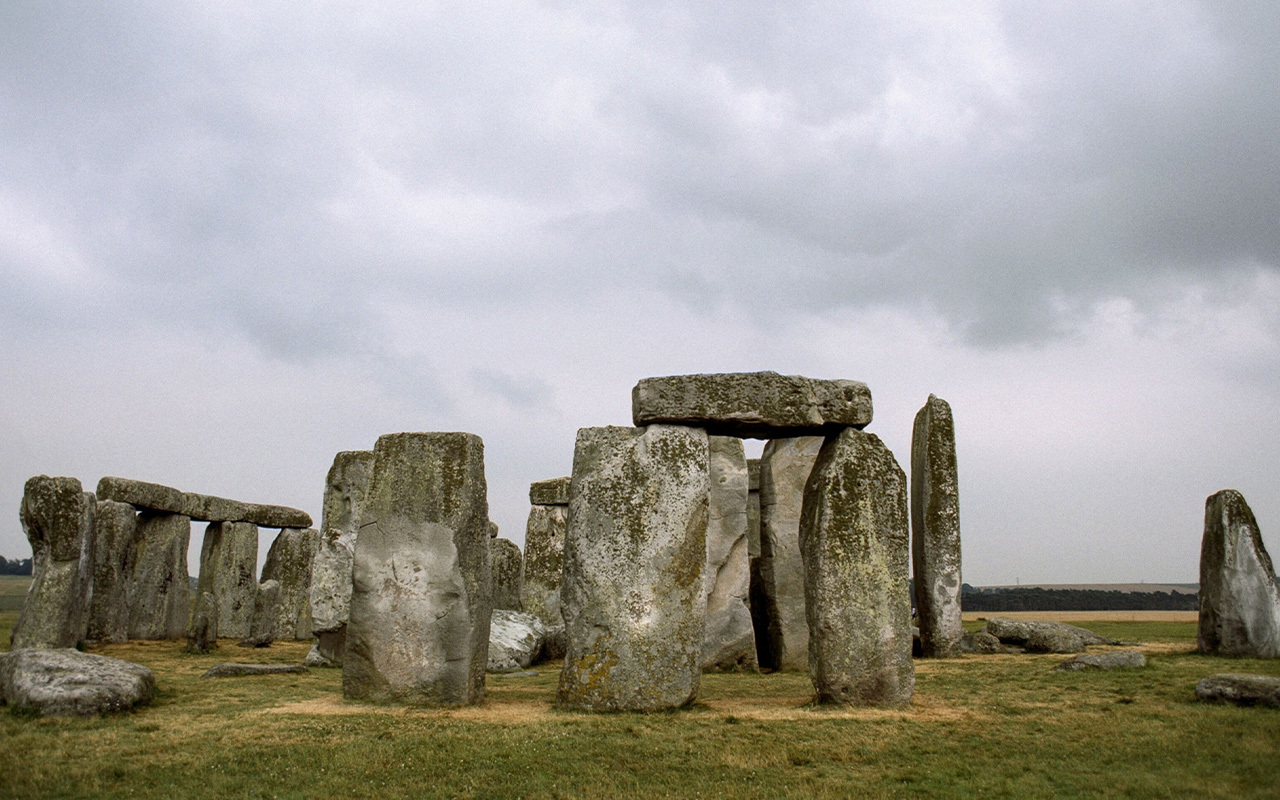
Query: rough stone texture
x=553, y=492
x=785, y=466
x=493, y=529
x=159, y=592
x=1239, y=598
x=229, y=571
x=1116, y=659
x=635, y=552
x=508, y=574
x=752, y=404
x=1240, y=689
x=289, y=563
x=729, y=642
x=1053, y=640
x=66, y=682
x=317, y=659
x=344, y=492
x=935, y=530
x=201, y=507
x=543, y=562
x=114, y=527
x=515, y=640
x=855, y=544
x=203, y=635
x=753, y=507
x=331, y=646
x=233, y=670
x=266, y=615
x=1018, y=631
x=420, y=605
x=57, y=517
x=980, y=642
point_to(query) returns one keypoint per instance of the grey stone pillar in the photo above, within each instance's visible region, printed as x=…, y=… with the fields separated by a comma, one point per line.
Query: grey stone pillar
x=729, y=643
x=508, y=574
x=289, y=563
x=935, y=530
x=544, y=549
x=1239, y=599
x=229, y=572
x=633, y=596
x=853, y=535
x=344, y=492
x=114, y=527
x=159, y=590
x=57, y=516
x=418, y=631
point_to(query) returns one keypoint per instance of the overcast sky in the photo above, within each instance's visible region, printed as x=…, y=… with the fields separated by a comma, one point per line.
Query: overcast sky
x=236, y=238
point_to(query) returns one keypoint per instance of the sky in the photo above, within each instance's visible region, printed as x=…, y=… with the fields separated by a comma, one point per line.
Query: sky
x=239, y=237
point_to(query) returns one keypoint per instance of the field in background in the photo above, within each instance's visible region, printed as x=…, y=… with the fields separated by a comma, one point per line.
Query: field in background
x=1088, y=616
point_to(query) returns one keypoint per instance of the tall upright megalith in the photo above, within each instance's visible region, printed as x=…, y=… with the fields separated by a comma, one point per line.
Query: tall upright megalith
x=785, y=465
x=935, y=530
x=289, y=563
x=57, y=516
x=853, y=537
x=418, y=629
x=229, y=572
x=115, y=525
x=729, y=641
x=508, y=573
x=635, y=553
x=344, y=492
x=1239, y=598
x=544, y=549
x=158, y=590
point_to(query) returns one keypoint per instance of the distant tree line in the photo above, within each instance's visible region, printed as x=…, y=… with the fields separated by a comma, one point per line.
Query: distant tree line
x=1036, y=599
x=20, y=566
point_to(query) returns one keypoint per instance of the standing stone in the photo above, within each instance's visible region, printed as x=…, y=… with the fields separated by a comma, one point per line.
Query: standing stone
x=853, y=536
x=729, y=643
x=159, y=590
x=289, y=563
x=1239, y=599
x=543, y=562
x=419, y=625
x=57, y=516
x=935, y=530
x=785, y=465
x=635, y=553
x=229, y=571
x=508, y=574
x=203, y=635
x=344, y=492
x=266, y=615
x=114, y=527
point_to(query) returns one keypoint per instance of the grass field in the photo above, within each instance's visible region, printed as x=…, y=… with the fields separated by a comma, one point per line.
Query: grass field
x=980, y=726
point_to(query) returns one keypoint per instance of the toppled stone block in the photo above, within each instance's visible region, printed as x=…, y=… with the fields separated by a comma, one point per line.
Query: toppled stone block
x=229, y=572
x=1115, y=659
x=982, y=642
x=159, y=592
x=752, y=404
x=1053, y=640
x=1240, y=689
x=67, y=682
x=289, y=563
x=201, y=507
x=544, y=561
x=1239, y=597
x=58, y=518
x=115, y=526
x=729, y=642
x=553, y=492
x=1019, y=631
x=935, y=530
x=234, y=670
x=516, y=640
x=508, y=574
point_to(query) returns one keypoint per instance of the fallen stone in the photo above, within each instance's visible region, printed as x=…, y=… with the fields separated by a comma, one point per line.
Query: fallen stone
x=729, y=642
x=419, y=624
x=1018, y=631
x=752, y=404
x=115, y=525
x=935, y=530
x=544, y=562
x=229, y=572
x=855, y=545
x=289, y=563
x=552, y=492
x=1239, y=597
x=508, y=574
x=1240, y=689
x=159, y=591
x=518, y=673
x=203, y=636
x=1116, y=659
x=332, y=645
x=1053, y=640
x=234, y=670
x=981, y=642
x=67, y=682
x=58, y=519
x=515, y=640
x=344, y=492
x=317, y=659
x=200, y=507
x=635, y=551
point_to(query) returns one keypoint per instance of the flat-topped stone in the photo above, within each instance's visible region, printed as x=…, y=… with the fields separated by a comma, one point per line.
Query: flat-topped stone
x=67, y=682
x=553, y=492
x=761, y=405
x=201, y=507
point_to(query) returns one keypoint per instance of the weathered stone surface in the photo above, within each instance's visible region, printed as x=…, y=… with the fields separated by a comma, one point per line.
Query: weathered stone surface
x=508, y=574
x=266, y=615
x=66, y=682
x=493, y=529
x=752, y=404
x=552, y=492
x=935, y=530
x=315, y=658
x=635, y=552
x=229, y=571
x=234, y=670
x=201, y=507
x=114, y=527
x=420, y=606
x=785, y=466
x=980, y=642
x=1115, y=659
x=331, y=646
x=753, y=507
x=854, y=540
x=1239, y=598
x=203, y=635
x=728, y=643
x=57, y=517
x=515, y=640
x=289, y=563
x=543, y=562
x=1053, y=640
x=159, y=593
x=1240, y=689
x=1019, y=631
x=344, y=491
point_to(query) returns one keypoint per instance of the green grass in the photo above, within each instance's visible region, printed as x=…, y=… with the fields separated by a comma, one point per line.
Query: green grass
x=980, y=726
x=13, y=590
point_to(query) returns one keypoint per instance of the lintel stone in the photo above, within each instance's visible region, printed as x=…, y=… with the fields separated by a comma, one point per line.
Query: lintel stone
x=201, y=507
